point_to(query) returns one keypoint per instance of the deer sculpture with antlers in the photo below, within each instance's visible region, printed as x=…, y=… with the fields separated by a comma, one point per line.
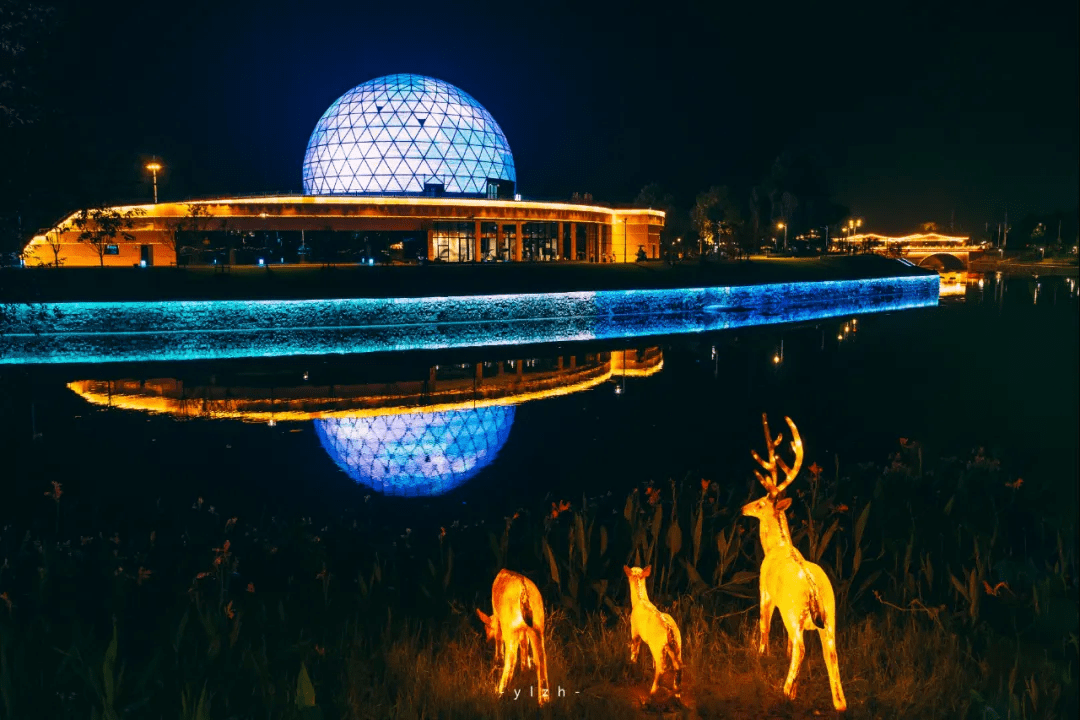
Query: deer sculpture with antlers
x=790, y=583
x=516, y=625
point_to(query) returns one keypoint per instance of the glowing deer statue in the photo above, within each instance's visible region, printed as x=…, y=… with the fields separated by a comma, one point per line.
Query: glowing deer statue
x=656, y=628
x=517, y=627
x=798, y=588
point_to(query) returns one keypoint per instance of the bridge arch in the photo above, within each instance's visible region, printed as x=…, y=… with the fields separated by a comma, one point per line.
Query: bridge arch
x=943, y=261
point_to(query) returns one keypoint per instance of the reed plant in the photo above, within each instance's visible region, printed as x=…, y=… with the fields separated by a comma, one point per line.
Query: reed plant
x=956, y=589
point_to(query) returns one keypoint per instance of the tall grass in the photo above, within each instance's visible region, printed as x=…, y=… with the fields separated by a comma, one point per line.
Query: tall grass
x=956, y=588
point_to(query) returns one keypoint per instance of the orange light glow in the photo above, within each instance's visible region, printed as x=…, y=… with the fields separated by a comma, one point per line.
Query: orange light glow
x=517, y=627
x=656, y=628
x=153, y=167
x=915, y=237
x=799, y=589
x=98, y=393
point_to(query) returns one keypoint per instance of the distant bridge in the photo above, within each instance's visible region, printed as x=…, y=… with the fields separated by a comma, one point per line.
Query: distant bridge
x=948, y=253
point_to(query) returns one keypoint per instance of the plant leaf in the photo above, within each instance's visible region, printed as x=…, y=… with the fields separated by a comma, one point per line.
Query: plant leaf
x=552, y=566
x=305, y=692
x=824, y=542
x=674, y=538
x=741, y=577
x=860, y=524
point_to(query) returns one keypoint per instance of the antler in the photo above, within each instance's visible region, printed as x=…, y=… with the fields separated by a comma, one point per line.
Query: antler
x=771, y=482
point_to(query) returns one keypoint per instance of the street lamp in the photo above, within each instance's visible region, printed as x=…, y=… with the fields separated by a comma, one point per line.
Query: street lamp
x=153, y=168
x=783, y=226
x=624, y=240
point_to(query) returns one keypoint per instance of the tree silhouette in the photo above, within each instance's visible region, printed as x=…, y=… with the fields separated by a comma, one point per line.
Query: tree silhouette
x=188, y=224
x=52, y=239
x=101, y=226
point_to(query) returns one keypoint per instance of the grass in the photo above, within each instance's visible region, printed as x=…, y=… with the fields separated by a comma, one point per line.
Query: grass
x=956, y=587
x=347, y=281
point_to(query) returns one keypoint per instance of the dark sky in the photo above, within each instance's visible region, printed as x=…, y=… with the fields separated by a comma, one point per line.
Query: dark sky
x=916, y=111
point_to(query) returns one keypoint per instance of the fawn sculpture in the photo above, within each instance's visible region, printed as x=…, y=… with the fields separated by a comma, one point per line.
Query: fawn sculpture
x=656, y=628
x=790, y=583
x=517, y=627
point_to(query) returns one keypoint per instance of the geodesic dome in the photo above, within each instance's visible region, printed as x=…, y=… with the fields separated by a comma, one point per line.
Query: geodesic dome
x=424, y=453
x=398, y=133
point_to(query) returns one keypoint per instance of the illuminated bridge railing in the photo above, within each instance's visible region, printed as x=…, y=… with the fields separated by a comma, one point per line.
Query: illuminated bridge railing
x=91, y=332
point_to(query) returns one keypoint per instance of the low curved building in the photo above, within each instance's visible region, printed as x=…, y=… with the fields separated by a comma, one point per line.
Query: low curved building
x=402, y=167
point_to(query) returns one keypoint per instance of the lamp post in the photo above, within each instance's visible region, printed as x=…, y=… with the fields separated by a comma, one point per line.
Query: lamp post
x=783, y=226
x=624, y=240
x=153, y=168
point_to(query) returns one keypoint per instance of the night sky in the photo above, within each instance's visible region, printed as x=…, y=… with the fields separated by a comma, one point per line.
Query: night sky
x=916, y=112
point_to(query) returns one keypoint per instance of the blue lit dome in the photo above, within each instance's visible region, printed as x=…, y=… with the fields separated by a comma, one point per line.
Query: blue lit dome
x=398, y=133
x=412, y=454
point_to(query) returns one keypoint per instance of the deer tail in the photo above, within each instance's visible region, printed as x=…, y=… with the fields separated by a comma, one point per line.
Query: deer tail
x=817, y=612
x=672, y=648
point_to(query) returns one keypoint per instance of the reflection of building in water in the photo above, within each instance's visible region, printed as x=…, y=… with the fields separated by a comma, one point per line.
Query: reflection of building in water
x=421, y=453
x=409, y=437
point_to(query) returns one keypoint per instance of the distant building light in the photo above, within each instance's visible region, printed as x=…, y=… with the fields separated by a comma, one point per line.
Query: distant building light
x=261, y=262
x=371, y=261
x=517, y=197
x=142, y=263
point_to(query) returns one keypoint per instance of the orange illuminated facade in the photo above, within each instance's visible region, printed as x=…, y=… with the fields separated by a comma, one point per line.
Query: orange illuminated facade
x=448, y=229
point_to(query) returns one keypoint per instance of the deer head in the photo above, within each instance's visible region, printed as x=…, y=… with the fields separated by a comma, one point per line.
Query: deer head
x=770, y=509
x=491, y=625
x=637, y=582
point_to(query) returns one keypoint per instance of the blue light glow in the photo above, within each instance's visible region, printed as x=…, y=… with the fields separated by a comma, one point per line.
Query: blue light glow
x=188, y=330
x=394, y=134
x=412, y=454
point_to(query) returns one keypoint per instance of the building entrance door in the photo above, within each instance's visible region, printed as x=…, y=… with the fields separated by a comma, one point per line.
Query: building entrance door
x=146, y=255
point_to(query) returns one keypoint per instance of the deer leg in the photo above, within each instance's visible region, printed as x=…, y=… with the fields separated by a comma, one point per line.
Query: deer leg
x=539, y=656
x=525, y=653
x=789, y=646
x=658, y=668
x=510, y=656
x=828, y=648
x=798, y=649
x=635, y=646
x=765, y=622
x=675, y=658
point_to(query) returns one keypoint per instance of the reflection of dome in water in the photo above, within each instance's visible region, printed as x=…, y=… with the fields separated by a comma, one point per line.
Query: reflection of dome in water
x=423, y=453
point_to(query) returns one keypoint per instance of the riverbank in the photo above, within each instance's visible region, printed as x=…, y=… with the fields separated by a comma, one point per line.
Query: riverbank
x=309, y=282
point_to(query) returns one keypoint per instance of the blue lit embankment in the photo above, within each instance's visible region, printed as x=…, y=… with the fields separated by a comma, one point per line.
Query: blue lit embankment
x=92, y=332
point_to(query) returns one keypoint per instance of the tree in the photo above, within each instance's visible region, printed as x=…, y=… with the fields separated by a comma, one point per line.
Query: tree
x=190, y=223
x=22, y=24
x=101, y=226
x=52, y=239
x=716, y=217
x=797, y=190
x=24, y=29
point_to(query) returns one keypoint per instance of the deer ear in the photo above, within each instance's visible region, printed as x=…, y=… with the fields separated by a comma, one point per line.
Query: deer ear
x=626, y=570
x=486, y=619
x=647, y=571
x=783, y=504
